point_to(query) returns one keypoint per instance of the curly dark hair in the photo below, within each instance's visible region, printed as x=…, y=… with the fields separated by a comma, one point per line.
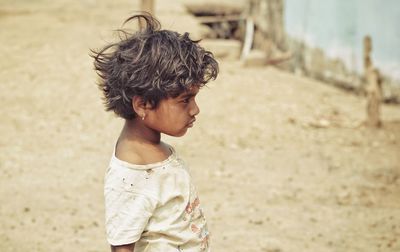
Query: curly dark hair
x=151, y=63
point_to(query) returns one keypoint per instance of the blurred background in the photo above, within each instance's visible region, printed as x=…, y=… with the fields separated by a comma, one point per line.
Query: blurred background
x=296, y=148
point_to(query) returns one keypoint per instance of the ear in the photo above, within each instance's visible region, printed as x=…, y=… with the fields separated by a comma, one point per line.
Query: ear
x=138, y=106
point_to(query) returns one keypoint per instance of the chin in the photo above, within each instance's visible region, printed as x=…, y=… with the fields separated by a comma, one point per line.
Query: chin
x=177, y=134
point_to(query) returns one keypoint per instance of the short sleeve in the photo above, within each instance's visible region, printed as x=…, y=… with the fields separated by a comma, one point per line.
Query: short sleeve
x=127, y=214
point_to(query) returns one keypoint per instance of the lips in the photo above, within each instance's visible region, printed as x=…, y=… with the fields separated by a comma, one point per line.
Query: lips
x=190, y=124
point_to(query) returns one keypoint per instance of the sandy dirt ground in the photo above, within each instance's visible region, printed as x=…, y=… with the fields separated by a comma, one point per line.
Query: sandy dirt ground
x=280, y=161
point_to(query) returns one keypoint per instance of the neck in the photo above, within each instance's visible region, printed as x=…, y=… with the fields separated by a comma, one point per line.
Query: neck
x=135, y=130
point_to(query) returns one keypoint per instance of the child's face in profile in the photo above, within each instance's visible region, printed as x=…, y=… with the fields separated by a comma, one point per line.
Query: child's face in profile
x=173, y=116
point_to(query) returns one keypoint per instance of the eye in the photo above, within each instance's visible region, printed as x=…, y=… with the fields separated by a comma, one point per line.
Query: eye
x=187, y=100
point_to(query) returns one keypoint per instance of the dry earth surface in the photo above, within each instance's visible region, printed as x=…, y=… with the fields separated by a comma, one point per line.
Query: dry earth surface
x=281, y=161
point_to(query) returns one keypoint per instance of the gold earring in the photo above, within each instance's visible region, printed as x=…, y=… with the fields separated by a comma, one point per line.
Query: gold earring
x=143, y=116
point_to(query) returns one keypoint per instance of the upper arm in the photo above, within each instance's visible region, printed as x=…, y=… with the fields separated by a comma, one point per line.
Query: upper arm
x=128, y=206
x=123, y=248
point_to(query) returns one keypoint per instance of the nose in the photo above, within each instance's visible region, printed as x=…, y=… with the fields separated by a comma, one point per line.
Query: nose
x=194, y=111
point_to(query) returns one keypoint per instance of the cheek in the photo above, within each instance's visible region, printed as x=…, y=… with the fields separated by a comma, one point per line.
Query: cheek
x=175, y=126
x=171, y=120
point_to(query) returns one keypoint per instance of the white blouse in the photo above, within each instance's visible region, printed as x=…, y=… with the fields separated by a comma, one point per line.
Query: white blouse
x=154, y=206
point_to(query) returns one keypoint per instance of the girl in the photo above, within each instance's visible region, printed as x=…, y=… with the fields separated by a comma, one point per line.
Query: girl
x=151, y=78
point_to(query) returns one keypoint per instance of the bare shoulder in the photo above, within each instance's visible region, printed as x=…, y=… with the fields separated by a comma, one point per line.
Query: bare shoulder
x=129, y=153
x=142, y=154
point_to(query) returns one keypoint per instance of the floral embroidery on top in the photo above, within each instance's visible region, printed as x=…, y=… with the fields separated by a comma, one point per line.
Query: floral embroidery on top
x=194, y=214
